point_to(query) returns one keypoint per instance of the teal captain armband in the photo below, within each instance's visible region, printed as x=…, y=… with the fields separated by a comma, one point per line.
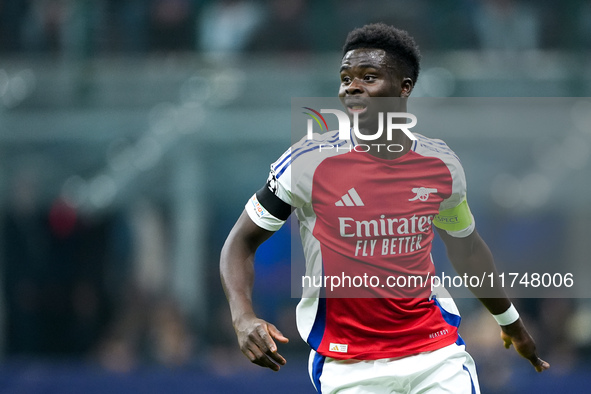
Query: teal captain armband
x=457, y=218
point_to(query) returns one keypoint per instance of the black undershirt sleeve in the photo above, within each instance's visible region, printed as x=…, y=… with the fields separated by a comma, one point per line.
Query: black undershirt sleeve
x=276, y=206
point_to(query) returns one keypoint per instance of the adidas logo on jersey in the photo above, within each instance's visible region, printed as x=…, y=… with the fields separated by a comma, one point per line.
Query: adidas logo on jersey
x=338, y=347
x=422, y=193
x=350, y=199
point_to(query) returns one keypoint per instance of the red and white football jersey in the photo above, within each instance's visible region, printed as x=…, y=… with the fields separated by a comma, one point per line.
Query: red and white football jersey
x=368, y=222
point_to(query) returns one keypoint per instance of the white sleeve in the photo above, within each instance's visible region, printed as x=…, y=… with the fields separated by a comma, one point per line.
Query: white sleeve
x=261, y=216
x=270, y=207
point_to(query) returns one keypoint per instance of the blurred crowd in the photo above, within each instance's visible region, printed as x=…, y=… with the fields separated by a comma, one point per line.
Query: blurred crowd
x=84, y=27
x=98, y=287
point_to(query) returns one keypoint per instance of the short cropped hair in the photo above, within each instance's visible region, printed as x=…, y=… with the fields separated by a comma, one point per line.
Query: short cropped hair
x=397, y=43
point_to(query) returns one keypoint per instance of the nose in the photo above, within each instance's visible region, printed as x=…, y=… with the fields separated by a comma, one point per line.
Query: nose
x=355, y=87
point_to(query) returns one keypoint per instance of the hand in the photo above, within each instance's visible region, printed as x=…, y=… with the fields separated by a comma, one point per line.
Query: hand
x=255, y=337
x=515, y=334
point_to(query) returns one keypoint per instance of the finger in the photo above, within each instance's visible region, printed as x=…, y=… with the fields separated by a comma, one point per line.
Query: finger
x=278, y=358
x=539, y=364
x=506, y=340
x=255, y=340
x=263, y=360
x=543, y=366
x=249, y=355
x=276, y=334
x=267, y=345
x=255, y=350
x=255, y=356
x=261, y=341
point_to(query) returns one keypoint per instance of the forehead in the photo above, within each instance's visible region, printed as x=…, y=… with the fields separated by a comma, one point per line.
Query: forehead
x=368, y=57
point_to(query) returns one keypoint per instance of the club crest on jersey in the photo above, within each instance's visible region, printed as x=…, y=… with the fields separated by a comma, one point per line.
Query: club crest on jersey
x=422, y=193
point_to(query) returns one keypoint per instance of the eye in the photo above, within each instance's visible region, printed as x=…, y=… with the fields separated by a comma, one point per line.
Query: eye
x=345, y=79
x=369, y=77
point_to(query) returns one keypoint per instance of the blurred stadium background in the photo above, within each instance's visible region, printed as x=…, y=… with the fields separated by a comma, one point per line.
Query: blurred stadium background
x=132, y=132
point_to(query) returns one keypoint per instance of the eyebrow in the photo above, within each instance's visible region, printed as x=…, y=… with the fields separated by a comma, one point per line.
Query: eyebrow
x=361, y=65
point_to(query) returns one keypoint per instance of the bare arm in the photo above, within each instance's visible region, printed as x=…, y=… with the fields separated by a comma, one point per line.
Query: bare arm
x=255, y=336
x=471, y=256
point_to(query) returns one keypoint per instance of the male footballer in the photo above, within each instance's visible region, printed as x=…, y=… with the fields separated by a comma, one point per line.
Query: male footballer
x=371, y=210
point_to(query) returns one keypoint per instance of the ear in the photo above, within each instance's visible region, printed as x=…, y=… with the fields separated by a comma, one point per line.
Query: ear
x=406, y=87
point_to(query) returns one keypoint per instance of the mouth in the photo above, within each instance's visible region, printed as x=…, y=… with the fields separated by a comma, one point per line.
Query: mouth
x=356, y=106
